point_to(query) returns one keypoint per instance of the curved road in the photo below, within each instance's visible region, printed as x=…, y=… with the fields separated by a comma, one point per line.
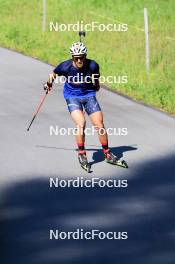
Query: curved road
x=29, y=208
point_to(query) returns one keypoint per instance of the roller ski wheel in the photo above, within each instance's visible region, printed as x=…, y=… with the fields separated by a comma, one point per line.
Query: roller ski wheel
x=112, y=159
x=84, y=162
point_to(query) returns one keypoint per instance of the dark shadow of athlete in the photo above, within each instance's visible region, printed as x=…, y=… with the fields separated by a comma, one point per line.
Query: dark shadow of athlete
x=118, y=151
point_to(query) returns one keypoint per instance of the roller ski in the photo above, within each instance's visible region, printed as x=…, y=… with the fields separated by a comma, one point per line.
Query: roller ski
x=112, y=159
x=84, y=162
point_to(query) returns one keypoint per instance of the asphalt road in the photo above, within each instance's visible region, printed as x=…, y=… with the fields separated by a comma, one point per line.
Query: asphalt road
x=30, y=208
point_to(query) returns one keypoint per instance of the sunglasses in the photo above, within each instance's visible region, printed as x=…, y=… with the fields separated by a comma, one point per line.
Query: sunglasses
x=78, y=58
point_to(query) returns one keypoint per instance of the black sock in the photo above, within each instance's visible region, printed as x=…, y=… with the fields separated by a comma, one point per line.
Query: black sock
x=105, y=148
x=81, y=147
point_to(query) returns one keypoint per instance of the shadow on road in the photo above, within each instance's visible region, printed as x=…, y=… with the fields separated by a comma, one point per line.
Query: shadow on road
x=146, y=210
x=118, y=151
x=97, y=151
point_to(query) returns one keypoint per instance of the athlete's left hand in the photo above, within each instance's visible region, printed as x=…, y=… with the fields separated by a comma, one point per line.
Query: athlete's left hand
x=96, y=87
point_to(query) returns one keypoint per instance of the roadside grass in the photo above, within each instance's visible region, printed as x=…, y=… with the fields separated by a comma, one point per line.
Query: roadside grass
x=118, y=53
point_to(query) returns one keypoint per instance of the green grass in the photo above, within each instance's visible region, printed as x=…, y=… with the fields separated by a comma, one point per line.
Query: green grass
x=118, y=53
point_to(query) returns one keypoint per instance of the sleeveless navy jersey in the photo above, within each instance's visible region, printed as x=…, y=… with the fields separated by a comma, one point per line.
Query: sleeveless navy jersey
x=78, y=81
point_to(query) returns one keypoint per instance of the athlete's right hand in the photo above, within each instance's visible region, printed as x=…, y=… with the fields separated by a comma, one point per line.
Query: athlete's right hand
x=47, y=86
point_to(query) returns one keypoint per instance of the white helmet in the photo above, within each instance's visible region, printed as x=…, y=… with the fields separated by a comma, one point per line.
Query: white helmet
x=78, y=48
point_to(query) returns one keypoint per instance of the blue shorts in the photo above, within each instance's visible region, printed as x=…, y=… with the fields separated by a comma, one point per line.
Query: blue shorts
x=89, y=104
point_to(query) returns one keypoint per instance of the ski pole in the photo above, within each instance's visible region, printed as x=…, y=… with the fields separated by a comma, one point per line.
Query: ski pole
x=39, y=107
x=81, y=33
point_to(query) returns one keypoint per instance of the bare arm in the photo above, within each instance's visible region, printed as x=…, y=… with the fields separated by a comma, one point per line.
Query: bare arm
x=52, y=77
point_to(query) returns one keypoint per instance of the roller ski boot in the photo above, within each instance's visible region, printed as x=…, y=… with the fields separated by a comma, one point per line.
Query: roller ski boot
x=112, y=159
x=83, y=161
